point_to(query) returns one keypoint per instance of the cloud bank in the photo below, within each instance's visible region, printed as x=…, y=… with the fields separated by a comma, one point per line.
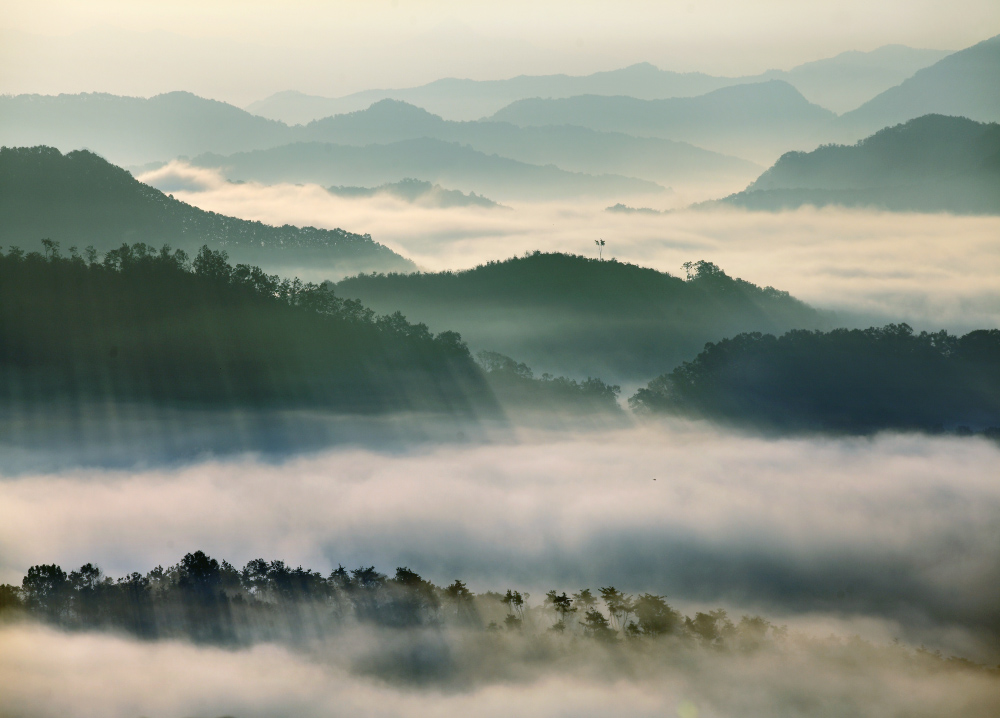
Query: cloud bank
x=904, y=529
x=934, y=271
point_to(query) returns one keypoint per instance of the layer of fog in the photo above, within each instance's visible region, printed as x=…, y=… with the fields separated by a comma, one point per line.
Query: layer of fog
x=934, y=271
x=903, y=529
x=44, y=673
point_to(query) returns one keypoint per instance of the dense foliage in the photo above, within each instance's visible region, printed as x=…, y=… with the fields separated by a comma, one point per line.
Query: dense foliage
x=80, y=198
x=202, y=599
x=580, y=316
x=516, y=384
x=146, y=325
x=847, y=380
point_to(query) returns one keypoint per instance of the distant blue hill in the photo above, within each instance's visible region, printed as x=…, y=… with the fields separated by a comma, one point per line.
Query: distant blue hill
x=965, y=84
x=837, y=83
x=931, y=164
x=80, y=199
x=760, y=120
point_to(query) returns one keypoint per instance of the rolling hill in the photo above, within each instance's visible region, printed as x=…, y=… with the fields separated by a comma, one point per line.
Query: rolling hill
x=583, y=317
x=79, y=199
x=931, y=164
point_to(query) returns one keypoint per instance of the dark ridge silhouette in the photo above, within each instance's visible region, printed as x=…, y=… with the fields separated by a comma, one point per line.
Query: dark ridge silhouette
x=962, y=84
x=584, y=317
x=79, y=198
x=445, y=163
x=147, y=326
x=416, y=191
x=755, y=121
x=856, y=381
x=930, y=164
x=133, y=130
x=838, y=83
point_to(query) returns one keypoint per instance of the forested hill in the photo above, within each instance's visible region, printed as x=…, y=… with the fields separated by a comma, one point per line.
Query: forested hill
x=933, y=163
x=80, y=199
x=570, y=314
x=844, y=380
x=153, y=327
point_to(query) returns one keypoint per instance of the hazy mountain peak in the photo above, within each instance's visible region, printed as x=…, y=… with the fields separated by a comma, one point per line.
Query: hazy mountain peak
x=964, y=83
x=932, y=163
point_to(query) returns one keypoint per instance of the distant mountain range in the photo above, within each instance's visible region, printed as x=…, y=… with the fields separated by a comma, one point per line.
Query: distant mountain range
x=133, y=130
x=445, y=163
x=79, y=199
x=595, y=144
x=569, y=314
x=838, y=83
x=575, y=149
x=759, y=121
x=965, y=84
x=930, y=164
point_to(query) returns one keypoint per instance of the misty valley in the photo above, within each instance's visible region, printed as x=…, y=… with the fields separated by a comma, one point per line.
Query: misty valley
x=626, y=391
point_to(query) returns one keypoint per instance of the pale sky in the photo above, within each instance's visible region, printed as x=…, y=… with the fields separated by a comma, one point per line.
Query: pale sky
x=242, y=50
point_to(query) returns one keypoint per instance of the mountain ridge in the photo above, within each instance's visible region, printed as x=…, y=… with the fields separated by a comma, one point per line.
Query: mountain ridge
x=79, y=199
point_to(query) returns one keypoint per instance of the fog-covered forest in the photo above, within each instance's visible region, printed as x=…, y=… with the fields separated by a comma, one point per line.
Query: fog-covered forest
x=440, y=359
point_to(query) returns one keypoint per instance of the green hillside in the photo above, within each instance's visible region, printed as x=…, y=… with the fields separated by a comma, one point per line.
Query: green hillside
x=79, y=199
x=569, y=314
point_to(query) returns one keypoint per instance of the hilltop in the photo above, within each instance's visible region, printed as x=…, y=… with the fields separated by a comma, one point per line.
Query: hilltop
x=569, y=314
x=930, y=164
x=963, y=84
x=81, y=199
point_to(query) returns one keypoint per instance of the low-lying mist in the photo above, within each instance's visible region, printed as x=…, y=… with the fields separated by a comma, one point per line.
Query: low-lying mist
x=934, y=271
x=46, y=673
x=902, y=529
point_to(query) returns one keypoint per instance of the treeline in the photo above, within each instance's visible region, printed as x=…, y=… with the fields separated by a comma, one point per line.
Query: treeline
x=844, y=380
x=516, y=384
x=204, y=600
x=140, y=324
x=581, y=316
